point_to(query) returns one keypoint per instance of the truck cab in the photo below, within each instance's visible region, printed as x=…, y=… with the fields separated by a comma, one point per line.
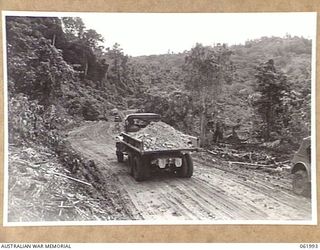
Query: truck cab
x=134, y=122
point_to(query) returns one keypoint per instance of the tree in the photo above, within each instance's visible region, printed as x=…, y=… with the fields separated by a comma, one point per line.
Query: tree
x=118, y=68
x=35, y=67
x=83, y=51
x=208, y=68
x=92, y=38
x=271, y=87
x=297, y=106
x=174, y=107
x=73, y=26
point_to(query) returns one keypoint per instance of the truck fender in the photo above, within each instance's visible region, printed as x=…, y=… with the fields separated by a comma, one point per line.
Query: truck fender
x=300, y=166
x=120, y=146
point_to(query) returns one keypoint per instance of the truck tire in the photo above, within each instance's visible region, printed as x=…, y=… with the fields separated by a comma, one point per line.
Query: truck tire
x=130, y=163
x=119, y=156
x=190, y=165
x=183, y=170
x=147, y=170
x=300, y=183
x=138, y=168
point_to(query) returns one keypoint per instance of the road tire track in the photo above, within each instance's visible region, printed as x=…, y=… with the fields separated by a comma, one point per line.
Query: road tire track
x=215, y=191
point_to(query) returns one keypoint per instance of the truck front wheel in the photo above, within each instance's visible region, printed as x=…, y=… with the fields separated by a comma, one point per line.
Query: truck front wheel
x=138, y=168
x=130, y=163
x=119, y=156
x=300, y=183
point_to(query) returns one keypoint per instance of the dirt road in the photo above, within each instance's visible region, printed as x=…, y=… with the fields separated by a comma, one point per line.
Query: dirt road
x=216, y=191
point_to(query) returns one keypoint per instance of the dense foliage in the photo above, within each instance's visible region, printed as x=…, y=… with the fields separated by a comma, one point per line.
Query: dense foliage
x=257, y=91
x=207, y=69
x=233, y=105
x=35, y=66
x=270, y=90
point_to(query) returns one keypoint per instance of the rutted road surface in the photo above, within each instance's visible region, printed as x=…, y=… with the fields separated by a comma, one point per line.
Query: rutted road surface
x=216, y=191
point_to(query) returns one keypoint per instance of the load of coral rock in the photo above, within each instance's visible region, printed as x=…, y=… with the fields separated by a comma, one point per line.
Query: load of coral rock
x=161, y=136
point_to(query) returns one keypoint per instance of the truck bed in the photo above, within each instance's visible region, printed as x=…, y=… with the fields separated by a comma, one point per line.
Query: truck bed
x=137, y=145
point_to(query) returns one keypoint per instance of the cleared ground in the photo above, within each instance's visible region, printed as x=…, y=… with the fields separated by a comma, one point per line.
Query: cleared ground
x=216, y=191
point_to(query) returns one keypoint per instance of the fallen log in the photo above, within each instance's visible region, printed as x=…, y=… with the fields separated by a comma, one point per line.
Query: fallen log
x=40, y=162
x=252, y=164
x=60, y=211
x=286, y=166
x=74, y=179
x=211, y=152
x=283, y=162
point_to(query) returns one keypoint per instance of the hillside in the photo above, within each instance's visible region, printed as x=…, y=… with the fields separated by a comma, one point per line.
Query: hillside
x=162, y=75
x=68, y=70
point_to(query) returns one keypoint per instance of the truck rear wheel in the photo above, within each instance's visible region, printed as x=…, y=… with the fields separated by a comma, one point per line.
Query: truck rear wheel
x=183, y=170
x=138, y=168
x=300, y=183
x=190, y=165
x=147, y=170
x=119, y=156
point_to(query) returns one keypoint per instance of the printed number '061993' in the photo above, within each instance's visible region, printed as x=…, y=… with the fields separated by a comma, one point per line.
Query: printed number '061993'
x=309, y=246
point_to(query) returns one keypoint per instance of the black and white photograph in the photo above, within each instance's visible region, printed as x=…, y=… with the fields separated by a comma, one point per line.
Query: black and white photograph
x=159, y=118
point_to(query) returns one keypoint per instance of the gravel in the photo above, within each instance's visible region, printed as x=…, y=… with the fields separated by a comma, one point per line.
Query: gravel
x=161, y=136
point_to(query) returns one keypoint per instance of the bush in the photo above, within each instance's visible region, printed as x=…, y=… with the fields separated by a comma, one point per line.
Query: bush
x=89, y=112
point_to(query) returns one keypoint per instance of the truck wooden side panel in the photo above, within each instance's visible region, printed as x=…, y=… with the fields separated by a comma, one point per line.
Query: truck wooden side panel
x=137, y=145
x=132, y=142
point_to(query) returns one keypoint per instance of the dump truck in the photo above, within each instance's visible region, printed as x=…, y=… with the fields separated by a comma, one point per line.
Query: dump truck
x=146, y=153
x=301, y=170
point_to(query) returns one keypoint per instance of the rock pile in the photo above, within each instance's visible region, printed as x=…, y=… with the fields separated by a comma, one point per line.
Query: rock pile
x=161, y=136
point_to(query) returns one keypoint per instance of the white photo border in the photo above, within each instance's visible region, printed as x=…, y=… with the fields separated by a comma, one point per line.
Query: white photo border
x=6, y=223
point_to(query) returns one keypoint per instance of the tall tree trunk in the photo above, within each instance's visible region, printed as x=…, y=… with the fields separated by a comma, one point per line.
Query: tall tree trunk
x=203, y=119
x=86, y=69
x=54, y=40
x=202, y=129
x=268, y=124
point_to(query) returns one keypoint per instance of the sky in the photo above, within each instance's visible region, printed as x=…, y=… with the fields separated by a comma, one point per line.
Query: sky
x=157, y=33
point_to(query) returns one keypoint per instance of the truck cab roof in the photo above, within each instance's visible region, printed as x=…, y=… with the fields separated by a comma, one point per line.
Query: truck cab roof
x=144, y=116
x=134, y=122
